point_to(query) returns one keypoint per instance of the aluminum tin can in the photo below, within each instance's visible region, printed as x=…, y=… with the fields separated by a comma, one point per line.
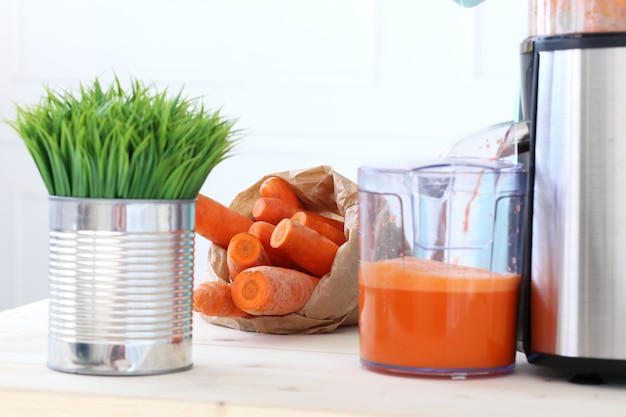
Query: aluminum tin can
x=120, y=285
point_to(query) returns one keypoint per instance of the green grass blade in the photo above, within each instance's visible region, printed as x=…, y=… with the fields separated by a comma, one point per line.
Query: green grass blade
x=112, y=142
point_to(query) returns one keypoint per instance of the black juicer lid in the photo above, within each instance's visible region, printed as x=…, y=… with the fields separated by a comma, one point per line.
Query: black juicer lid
x=574, y=41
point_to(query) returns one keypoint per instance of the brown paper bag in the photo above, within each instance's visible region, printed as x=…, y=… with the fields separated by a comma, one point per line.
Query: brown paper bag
x=335, y=300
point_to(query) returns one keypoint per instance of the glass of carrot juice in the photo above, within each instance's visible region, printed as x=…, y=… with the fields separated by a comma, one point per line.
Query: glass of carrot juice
x=440, y=246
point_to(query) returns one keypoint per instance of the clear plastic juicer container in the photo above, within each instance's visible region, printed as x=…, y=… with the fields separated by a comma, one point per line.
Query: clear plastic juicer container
x=440, y=246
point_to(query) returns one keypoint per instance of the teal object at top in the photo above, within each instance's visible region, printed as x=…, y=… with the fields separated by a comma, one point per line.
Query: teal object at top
x=468, y=3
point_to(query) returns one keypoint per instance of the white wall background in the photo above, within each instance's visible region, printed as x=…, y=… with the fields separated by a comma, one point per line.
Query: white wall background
x=336, y=82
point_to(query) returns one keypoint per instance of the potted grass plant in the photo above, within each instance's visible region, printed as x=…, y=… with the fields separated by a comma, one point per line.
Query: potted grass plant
x=133, y=143
x=123, y=167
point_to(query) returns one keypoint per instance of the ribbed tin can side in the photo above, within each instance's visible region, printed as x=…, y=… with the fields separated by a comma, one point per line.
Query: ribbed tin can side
x=120, y=285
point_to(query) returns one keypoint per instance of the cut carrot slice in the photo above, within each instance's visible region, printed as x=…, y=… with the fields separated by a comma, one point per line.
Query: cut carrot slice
x=273, y=210
x=214, y=298
x=321, y=227
x=278, y=187
x=263, y=231
x=272, y=290
x=218, y=223
x=244, y=251
x=312, y=251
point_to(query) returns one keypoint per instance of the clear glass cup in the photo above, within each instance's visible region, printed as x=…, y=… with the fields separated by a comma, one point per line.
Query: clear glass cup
x=440, y=246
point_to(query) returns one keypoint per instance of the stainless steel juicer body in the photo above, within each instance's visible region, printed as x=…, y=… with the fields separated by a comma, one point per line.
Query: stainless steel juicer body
x=575, y=278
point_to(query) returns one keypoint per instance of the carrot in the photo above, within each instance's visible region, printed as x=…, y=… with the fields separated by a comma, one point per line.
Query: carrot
x=244, y=250
x=322, y=228
x=338, y=224
x=273, y=210
x=306, y=247
x=218, y=223
x=263, y=231
x=214, y=298
x=277, y=187
x=272, y=290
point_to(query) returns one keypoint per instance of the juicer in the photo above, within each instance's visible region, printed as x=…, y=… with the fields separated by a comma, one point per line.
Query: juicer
x=572, y=139
x=574, y=274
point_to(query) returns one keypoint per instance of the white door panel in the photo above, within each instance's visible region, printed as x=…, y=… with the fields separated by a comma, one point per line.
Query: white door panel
x=23, y=226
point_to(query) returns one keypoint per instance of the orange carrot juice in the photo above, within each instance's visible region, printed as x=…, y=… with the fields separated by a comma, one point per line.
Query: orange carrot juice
x=421, y=316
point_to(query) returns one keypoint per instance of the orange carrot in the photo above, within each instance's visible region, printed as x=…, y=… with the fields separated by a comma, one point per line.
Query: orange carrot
x=218, y=223
x=273, y=210
x=272, y=290
x=306, y=247
x=277, y=187
x=244, y=250
x=214, y=298
x=320, y=227
x=263, y=231
x=338, y=224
